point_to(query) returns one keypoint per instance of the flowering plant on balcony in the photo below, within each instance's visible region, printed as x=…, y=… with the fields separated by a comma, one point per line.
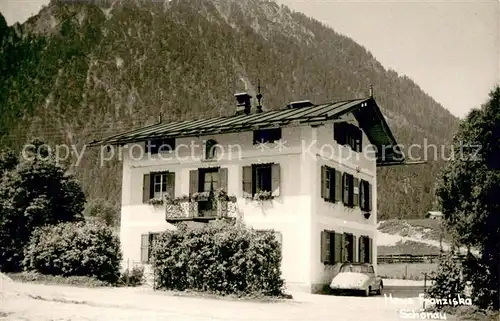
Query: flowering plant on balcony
x=157, y=201
x=178, y=200
x=221, y=195
x=262, y=196
x=200, y=196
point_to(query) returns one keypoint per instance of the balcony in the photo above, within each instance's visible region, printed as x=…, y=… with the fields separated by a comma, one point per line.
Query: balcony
x=200, y=209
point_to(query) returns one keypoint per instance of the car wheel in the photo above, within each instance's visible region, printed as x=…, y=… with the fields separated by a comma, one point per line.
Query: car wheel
x=380, y=289
x=367, y=291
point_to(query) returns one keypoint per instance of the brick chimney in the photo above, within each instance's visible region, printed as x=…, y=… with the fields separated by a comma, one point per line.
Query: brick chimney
x=244, y=103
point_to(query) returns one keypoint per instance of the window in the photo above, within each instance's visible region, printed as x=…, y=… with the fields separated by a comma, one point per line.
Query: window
x=349, y=247
x=365, y=249
x=160, y=145
x=260, y=178
x=348, y=189
x=331, y=184
x=147, y=245
x=332, y=248
x=348, y=134
x=158, y=185
x=209, y=179
x=266, y=135
x=365, y=198
x=210, y=149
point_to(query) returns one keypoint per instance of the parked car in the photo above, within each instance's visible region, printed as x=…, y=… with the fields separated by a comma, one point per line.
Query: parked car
x=357, y=277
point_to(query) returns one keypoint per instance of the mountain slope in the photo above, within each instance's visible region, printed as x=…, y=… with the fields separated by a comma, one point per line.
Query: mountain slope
x=78, y=72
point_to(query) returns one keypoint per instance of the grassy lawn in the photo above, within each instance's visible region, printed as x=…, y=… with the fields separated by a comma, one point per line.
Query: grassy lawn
x=405, y=271
x=78, y=281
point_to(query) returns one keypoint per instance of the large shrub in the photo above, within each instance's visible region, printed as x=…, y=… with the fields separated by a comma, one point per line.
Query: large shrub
x=33, y=193
x=448, y=282
x=75, y=249
x=220, y=258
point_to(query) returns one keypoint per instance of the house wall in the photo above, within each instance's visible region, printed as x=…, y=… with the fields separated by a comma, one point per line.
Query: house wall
x=337, y=217
x=299, y=213
x=288, y=214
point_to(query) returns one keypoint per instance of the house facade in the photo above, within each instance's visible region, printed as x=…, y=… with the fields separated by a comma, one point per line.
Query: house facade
x=307, y=171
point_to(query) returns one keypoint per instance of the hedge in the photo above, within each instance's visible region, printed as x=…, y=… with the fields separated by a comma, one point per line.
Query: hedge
x=220, y=258
x=75, y=249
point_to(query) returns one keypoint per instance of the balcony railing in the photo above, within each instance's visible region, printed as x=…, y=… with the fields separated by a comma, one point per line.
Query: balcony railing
x=200, y=210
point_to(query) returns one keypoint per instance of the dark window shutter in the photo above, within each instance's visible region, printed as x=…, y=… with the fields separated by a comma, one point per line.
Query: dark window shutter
x=338, y=186
x=275, y=179
x=247, y=181
x=171, y=185
x=369, y=196
x=338, y=244
x=325, y=247
x=370, y=250
x=355, y=188
x=361, y=249
x=324, y=172
x=193, y=181
x=146, y=186
x=345, y=189
x=354, y=247
x=223, y=178
x=144, y=248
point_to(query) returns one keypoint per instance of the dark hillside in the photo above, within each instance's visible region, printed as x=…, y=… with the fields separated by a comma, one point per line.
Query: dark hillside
x=78, y=72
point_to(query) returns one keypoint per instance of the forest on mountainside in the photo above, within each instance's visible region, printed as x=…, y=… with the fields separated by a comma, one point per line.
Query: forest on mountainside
x=76, y=72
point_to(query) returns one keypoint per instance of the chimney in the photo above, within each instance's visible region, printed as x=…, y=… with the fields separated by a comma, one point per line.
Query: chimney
x=244, y=103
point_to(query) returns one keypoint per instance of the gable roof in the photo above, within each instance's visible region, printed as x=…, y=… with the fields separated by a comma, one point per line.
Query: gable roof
x=366, y=112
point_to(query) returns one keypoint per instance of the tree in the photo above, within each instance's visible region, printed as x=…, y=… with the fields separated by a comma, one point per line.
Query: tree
x=35, y=193
x=8, y=161
x=469, y=196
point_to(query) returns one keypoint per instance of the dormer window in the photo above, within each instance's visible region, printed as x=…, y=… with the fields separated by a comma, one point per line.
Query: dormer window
x=210, y=149
x=348, y=134
x=160, y=145
x=266, y=135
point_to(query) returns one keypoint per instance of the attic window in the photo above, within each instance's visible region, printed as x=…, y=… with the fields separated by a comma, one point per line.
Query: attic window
x=160, y=145
x=348, y=134
x=210, y=149
x=266, y=136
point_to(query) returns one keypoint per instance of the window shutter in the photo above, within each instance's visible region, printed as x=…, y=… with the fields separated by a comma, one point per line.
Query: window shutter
x=223, y=178
x=338, y=186
x=361, y=250
x=323, y=182
x=193, y=181
x=247, y=181
x=275, y=179
x=354, y=249
x=171, y=185
x=355, y=189
x=369, y=197
x=144, y=248
x=338, y=245
x=370, y=255
x=146, y=188
x=345, y=191
x=325, y=247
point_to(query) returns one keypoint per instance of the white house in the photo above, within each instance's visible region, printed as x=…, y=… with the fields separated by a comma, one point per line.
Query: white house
x=317, y=161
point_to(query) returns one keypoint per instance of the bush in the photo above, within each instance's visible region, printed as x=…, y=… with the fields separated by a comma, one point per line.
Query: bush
x=447, y=279
x=102, y=211
x=75, y=249
x=220, y=258
x=134, y=277
x=79, y=281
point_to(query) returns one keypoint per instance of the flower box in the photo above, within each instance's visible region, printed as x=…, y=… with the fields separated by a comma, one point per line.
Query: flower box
x=263, y=196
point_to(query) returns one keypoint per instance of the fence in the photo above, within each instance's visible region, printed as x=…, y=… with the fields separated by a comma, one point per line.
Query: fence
x=409, y=258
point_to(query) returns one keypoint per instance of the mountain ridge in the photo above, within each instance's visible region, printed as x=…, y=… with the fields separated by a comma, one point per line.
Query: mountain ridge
x=79, y=72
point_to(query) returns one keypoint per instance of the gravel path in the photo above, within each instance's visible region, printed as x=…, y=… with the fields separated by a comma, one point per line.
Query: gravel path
x=35, y=302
